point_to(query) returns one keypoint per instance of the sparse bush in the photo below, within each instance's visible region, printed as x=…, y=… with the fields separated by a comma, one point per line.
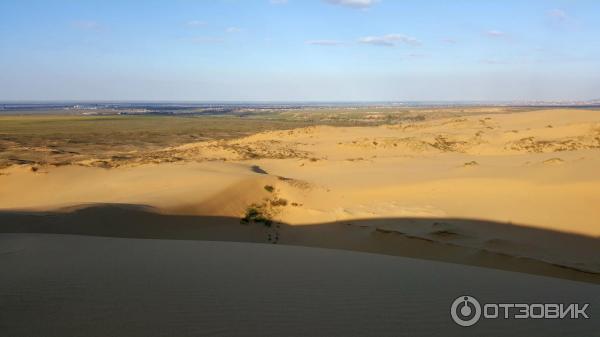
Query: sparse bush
x=269, y=188
x=279, y=202
x=252, y=213
x=256, y=214
x=264, y=220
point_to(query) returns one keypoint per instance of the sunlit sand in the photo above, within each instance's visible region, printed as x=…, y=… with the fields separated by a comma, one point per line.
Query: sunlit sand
x=514, y=191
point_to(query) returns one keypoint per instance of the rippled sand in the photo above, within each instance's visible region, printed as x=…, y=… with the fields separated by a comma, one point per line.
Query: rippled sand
x=68, y=285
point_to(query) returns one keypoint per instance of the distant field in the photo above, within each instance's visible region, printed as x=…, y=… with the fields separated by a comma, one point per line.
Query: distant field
x=61, y=139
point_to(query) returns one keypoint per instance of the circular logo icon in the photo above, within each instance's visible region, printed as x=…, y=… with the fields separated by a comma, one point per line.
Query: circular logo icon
x=465, y=310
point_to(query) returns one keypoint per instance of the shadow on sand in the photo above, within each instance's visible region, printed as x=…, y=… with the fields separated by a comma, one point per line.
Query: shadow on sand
x=464, y=241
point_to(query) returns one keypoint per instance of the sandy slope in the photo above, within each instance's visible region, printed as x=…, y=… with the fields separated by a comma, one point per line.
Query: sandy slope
x=539, y=169
x=128, y=287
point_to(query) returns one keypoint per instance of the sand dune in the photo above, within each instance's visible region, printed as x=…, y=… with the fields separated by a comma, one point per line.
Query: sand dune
x=129, y=287
x=461, y=241
x=532, y=178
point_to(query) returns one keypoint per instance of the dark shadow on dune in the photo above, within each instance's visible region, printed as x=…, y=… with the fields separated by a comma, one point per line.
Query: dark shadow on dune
x=437, y=240
x=257, y=169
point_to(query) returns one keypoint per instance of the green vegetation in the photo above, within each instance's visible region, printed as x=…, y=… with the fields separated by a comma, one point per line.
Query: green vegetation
x=256, y=214
x=66, y=136
x=278, y=202
x=61, y=140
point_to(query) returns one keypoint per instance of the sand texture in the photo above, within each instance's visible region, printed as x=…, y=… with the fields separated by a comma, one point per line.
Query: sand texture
x=68, y=285
x=516, y=191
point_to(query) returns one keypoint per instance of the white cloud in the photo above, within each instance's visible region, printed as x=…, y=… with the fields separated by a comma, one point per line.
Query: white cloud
x=492, y=61
x=389, y=40
x=495, y=33
x=558, y=15
x=558, y=18
x=203, y=40
x=449, y=41
x=195, y=23
x=278, y=2
x=324, y=42
x=361, y=4
x=233, y=30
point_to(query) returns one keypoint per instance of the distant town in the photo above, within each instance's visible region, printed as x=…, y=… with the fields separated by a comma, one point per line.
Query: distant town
x=241, y=108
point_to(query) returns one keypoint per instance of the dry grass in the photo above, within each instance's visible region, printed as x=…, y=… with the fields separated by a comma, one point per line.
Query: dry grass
x=65, y=138
x=61, y=140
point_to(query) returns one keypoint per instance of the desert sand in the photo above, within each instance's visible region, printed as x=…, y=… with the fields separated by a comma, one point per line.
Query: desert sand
x=515, y=191
x=93, y=286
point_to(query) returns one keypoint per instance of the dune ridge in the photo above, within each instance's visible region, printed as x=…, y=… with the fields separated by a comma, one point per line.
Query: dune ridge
x=515, y=186
x=476, y=243
x=133, y=287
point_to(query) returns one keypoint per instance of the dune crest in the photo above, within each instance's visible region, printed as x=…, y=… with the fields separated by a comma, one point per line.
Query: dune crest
x=538, y=169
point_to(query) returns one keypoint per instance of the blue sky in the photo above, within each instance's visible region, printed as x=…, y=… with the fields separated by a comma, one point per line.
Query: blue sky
x=317, y=50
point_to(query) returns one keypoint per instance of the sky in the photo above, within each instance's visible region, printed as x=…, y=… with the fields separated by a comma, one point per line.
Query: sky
x=294, y=50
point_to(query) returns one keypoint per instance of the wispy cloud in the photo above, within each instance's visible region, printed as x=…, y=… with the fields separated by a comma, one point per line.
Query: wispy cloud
x=558, y=18
x=206, y=40
x=278, y=2
x=495, y=33
x=233, y=30
x=492, y=61
x=449, y=41
x=360, y=4
x=195, y=23
x=558, y=15
x=87, y=25
x=389, y=40
x=325, y=42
